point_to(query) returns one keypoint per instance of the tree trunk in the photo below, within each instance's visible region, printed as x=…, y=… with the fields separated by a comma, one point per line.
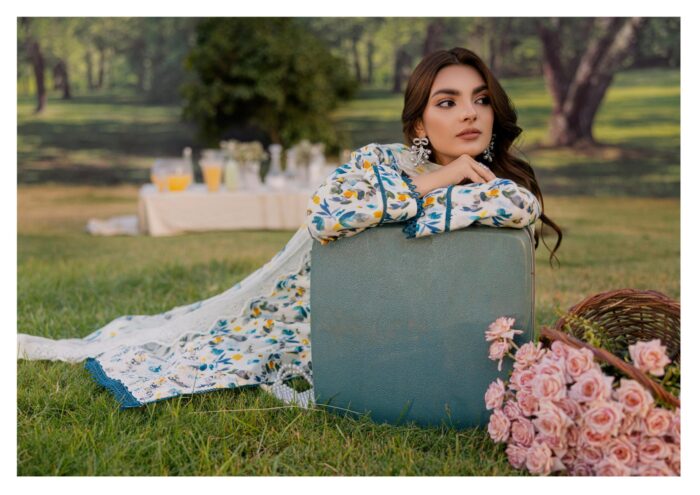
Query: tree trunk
x=578, y=96
x=401, y=60
x=61, y=78
x=88, y=64
x=356, y=60
x=370, y=64
x=38, y=66
x=433, y=37
x=101, y=69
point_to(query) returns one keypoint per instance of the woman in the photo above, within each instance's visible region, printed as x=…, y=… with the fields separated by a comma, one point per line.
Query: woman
x=456, y=113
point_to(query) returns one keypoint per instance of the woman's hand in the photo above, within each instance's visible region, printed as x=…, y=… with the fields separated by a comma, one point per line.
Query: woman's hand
x=466, y=169
x=461, y=171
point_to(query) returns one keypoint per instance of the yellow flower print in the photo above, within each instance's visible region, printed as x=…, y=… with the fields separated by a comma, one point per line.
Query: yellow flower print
x=349, y=194
x=366, y=164
x=237, y=357
x=269, y=323
x=402, y=197
x=316, y=199
x=216, y=340
x=237, y=329
x=112, y=334
x=256, y=311
x=493, y=193
x=305, y=341
x=337, y=226
x=377, y=214
x=429, y=200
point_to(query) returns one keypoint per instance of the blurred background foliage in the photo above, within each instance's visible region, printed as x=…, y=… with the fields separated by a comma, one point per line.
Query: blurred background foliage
x=114, y=93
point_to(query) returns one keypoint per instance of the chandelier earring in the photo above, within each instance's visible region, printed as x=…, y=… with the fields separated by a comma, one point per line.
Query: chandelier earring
x=488, y=152
x=419, y=154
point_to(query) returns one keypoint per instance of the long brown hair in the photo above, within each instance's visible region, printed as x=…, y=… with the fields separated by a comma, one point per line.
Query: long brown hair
x=505, y=164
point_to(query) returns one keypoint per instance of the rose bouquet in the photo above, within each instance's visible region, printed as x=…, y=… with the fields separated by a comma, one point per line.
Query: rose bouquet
x=560, y=411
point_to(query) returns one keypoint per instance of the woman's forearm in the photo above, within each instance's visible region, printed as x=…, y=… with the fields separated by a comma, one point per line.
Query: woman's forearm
x=429, y=182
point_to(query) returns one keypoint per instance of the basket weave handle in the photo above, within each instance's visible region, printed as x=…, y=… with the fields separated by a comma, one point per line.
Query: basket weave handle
x=657, y=390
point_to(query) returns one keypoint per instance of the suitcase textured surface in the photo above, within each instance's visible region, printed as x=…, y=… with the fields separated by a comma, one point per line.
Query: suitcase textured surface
x=397, y=325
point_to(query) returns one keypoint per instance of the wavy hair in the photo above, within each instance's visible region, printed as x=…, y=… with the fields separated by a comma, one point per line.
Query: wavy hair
x=505, y=164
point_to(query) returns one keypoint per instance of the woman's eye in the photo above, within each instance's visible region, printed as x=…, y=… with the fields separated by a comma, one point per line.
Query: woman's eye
x=483, y=99
x=442, y=103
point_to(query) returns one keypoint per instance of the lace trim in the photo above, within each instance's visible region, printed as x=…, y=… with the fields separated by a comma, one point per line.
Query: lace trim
x=116, y=387
x=411, y=227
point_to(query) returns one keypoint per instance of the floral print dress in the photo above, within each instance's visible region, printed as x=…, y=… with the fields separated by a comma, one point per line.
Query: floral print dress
x=373, y=188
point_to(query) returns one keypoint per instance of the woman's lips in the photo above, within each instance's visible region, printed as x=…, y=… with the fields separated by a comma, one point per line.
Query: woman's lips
x=470, y=136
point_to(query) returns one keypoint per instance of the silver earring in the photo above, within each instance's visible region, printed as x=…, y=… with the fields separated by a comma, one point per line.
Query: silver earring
x=419, y=154
x=488, y=152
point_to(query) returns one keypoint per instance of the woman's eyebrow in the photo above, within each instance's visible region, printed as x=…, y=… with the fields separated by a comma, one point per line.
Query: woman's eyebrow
x=454, y=92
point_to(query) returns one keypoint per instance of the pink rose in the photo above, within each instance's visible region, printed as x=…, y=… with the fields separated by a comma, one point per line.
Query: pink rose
x=590, y=454
x=539, y=459
x=578, y=362
x=551, y=421
x=550, y=365
x=560, y=349
x=657, y=421
x=528, y=355
x=635, y=399
x=557, y=445
x=522, y=431
x=656, y=468
x=603, y=417
x=675, y=428
x=622, y=449
x=631, y=426
x=653, y=449
x=569, y=458
x=649, y=356
x=674, y=460
x=572, y=408
x=573, y=435
x=582, y=468
x=501, y=329
x=549, y=387
x=498, y=350
x=499, y=426
x=512, y=410
x=516, y=455
x=527, y=402
x=591, y=385
x=494, y=394
x=611, y=467
x=522, y=380
x=594, y=438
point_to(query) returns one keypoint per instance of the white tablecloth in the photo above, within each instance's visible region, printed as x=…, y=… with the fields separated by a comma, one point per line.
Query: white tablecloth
x=197, y=210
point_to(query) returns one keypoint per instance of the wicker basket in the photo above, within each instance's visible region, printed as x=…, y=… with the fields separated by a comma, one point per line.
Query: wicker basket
x=624, y=316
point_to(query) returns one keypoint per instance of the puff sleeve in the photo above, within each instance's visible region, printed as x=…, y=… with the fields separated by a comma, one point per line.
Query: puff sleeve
x=367, y=191
x=497, y=203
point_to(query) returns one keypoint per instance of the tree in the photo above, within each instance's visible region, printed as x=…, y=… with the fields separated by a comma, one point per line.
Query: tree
x=248, y=74
x=29, y=40
x=578, y=82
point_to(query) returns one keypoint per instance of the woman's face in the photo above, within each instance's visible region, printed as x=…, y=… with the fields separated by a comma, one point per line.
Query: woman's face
x=458, y=118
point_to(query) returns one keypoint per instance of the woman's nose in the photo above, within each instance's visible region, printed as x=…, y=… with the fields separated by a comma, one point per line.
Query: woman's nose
x=469, y=112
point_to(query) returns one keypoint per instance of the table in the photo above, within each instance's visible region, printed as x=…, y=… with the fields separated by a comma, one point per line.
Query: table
x=198, y=210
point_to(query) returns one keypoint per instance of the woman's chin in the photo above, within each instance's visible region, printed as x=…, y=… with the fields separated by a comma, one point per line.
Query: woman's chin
x=470, y=150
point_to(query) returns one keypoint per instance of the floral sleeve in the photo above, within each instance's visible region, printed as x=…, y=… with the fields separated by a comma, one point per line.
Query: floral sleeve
x=365, y=192
x=498, y=203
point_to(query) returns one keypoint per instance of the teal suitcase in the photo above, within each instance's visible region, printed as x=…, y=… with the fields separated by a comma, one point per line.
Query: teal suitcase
x=397, y=325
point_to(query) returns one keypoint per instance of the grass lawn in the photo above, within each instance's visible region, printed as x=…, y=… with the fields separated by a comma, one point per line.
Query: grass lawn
x=70, y=283
x=618, y=207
